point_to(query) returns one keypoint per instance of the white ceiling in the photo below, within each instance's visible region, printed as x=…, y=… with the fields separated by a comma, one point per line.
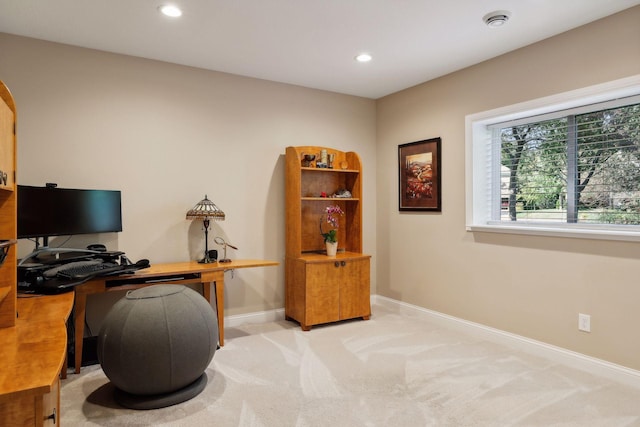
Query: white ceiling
x=305, y=42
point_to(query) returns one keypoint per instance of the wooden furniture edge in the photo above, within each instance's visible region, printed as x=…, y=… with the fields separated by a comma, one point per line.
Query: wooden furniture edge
x=36, y=363
x=318, y=257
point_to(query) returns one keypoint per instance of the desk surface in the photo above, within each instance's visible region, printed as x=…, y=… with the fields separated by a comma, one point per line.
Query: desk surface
x=33, y=351
x=187, y=267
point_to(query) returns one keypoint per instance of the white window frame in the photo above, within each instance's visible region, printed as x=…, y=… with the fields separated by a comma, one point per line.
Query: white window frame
x=479, y=152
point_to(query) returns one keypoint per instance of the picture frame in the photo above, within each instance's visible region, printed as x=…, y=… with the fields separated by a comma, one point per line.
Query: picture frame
x=420, y=175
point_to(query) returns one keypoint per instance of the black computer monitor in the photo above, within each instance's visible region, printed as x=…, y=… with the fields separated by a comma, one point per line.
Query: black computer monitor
x=51, y=211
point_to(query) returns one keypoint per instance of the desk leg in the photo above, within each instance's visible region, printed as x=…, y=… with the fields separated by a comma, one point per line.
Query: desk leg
x=219, y=284
x=79, y=312
x=216, y=279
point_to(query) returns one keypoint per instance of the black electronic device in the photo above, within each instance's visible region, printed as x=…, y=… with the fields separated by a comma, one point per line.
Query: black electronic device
x=84, y=271
x=52, y=211
x=47, y=279
x=98, y=247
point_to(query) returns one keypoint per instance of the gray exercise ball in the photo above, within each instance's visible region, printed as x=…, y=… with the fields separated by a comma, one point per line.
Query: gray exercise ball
x=157, y=341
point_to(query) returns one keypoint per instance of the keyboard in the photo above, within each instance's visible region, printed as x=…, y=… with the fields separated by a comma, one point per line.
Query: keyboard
x=81, y=270
x=53, y=271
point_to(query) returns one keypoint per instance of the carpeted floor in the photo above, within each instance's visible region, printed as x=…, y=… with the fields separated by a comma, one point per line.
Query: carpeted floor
x=393, y=370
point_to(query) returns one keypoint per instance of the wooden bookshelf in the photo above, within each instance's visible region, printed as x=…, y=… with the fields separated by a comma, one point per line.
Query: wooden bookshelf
x=319, y=288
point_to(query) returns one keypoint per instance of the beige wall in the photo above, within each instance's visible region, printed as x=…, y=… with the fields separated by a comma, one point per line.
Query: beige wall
x=531, y=286
x=166, y=135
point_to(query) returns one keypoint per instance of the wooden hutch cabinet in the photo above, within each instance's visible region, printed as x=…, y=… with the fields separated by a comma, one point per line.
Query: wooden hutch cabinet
x=33, y=335
x=319, y=288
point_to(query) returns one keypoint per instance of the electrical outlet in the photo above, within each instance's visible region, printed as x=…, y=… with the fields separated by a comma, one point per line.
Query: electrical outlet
x=584, y=322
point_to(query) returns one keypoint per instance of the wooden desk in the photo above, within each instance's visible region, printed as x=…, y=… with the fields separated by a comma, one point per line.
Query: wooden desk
x=32, y=355
x=178, y=273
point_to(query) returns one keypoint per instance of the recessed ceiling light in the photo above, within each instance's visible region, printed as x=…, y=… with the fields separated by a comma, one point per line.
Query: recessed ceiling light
x=496, y=19
x=170, y=10
x=363, y=57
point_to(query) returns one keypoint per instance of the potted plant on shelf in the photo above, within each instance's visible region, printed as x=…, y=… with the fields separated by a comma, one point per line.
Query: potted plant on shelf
x=330, y=238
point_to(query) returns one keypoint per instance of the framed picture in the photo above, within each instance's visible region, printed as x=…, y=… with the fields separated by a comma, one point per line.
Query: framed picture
x=420, y=176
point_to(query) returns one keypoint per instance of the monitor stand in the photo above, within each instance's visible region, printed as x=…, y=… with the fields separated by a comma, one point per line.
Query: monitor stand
x=66, y=254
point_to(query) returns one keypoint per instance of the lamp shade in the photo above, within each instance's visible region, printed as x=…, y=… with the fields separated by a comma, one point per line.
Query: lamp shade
x=205, y=209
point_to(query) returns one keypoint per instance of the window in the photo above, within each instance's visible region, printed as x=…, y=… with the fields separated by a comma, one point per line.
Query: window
x=564, y=165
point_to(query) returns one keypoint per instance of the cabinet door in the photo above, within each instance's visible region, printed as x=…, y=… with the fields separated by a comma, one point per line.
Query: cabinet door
x=51, y=406
x=337, y=290
x=32, y=410
x=323, y=293
x=19, y=411
x=354, y=289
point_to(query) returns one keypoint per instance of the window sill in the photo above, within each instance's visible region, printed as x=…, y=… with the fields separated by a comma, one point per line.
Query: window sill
x=576, y=232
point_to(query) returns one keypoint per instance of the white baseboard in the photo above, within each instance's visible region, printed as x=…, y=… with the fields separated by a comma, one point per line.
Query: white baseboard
x=256, y=317
x=580, y=361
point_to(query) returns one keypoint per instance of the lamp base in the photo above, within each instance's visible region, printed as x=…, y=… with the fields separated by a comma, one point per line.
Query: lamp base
x=210, y=256
x=225, y=260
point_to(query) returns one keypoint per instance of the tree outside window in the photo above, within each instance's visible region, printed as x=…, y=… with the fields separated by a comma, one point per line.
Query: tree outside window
x=578, y=168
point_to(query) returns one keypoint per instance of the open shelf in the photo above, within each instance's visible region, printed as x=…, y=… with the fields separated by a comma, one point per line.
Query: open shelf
x=332, y=199
x=329, y=170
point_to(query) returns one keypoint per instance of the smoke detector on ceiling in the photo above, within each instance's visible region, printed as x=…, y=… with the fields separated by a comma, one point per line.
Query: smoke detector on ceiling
x=497, y=18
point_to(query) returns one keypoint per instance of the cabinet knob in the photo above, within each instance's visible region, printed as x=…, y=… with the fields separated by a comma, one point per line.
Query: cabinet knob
x=343, y=263
x=337, y=264
x=52, y=416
